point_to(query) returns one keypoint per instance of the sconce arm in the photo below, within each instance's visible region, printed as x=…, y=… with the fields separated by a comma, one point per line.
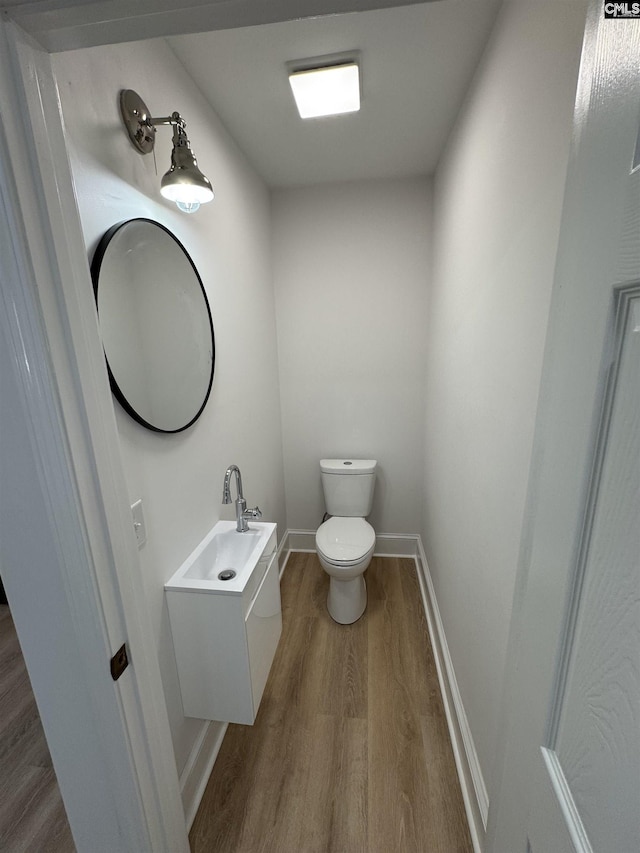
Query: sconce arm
x=141, y=126
x=173, y=119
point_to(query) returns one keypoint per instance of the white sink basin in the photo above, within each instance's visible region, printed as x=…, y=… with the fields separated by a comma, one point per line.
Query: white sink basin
x=224, y=550
x=225, y=632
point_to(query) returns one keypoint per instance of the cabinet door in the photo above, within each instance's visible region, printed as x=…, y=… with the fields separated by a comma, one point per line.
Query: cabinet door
x=211, y=653
x=264, y=626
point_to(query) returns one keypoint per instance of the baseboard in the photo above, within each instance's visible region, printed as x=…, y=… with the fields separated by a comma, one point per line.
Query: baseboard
x=287, y=546
x=387, y=544
x=284, y=552
x=194, y=777
x=301, y=540
x=395, y=545
x=474, y=791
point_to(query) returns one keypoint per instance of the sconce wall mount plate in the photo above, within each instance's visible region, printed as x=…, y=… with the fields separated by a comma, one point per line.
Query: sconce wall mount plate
x=137, y=120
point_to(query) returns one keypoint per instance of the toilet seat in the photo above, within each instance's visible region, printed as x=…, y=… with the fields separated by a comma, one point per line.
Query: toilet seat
x=345, y=541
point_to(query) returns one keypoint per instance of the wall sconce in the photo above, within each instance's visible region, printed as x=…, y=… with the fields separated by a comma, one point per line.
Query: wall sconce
x=184, y=183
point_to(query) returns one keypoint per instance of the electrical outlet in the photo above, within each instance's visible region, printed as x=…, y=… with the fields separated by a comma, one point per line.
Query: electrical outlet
x=138, y=523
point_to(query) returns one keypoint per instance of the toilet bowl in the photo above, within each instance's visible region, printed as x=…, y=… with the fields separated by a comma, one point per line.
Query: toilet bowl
x=345, y=546
x=345, y=542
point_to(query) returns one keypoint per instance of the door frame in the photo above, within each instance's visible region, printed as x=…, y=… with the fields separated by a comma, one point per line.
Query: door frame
x=70, y=560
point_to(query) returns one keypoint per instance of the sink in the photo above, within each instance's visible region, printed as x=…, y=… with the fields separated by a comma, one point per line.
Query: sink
x=225, y=632
x=227, y=550
x=224, y=550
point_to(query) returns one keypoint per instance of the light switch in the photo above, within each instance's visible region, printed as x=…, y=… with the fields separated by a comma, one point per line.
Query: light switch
x=138, y=523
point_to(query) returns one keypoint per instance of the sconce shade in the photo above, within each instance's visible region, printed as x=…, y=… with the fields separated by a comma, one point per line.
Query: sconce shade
x=184, y=182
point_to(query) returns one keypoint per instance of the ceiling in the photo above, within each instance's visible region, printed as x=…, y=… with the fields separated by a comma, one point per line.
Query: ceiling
x=417, y=63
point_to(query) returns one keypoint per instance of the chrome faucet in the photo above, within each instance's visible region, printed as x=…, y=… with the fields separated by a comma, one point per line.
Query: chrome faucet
x=242, y=513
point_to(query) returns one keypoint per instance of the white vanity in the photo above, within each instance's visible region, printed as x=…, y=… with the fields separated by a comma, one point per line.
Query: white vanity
x=225, y=632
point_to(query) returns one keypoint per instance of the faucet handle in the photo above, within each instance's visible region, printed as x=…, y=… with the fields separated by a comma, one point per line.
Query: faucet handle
x=253, y=513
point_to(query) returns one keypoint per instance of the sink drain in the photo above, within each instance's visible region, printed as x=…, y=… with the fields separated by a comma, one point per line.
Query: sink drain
x=226, y=575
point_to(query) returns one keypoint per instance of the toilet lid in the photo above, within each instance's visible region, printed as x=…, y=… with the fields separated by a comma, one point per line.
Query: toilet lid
x=345, y=540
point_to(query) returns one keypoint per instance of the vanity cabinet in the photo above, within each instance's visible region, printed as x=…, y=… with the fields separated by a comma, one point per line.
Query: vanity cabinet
x=225, y=640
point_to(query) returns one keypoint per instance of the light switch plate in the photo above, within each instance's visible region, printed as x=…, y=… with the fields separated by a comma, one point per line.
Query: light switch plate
x=138, y=523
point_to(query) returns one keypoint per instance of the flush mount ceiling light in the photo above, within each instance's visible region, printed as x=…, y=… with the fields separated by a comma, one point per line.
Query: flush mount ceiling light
x=184, y=183
x=325, y=87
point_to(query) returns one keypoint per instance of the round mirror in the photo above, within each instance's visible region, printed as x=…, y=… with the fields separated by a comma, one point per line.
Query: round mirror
x=155, y=324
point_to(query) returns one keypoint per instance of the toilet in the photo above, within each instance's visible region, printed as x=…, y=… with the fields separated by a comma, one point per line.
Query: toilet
x=346, y=541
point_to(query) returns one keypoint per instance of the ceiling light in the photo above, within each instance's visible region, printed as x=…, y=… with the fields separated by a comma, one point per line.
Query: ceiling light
x=184, y=183
x=329, y=90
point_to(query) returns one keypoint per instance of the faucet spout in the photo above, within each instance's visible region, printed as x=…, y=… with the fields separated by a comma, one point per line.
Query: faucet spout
x=226, y=489
x=242, y=513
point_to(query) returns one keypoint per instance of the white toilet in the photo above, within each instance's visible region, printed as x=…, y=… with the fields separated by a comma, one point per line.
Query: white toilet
x=345, y=543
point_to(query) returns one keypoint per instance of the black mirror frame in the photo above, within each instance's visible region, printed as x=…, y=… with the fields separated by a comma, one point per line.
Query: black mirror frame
x=96, y=265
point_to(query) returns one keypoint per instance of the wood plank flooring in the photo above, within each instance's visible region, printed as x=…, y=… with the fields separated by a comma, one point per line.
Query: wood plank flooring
x=350, y=751
x=32, y=817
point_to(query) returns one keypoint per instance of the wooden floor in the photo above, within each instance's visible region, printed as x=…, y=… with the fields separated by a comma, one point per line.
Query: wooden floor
x=32, y=817
x=350, y=751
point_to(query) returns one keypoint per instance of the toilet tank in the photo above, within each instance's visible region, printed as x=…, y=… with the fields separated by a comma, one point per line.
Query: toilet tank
x=348, y=486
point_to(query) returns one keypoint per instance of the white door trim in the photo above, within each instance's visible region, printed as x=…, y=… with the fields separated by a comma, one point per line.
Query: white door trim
x=562, y=801
x=62, y=393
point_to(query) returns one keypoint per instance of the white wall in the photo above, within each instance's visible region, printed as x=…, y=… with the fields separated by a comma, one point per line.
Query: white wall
x=351, y=267
x=179, y=477
x=498, y=197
